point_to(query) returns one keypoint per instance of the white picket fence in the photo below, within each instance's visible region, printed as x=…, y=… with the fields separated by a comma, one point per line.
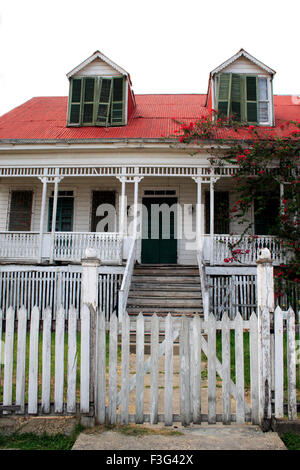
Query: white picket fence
x=52, y=286
x=208, y=390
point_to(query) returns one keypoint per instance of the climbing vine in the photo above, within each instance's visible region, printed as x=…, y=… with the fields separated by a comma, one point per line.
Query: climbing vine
x=265, y=176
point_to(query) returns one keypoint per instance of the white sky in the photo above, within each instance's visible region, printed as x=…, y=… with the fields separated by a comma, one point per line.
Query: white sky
x=167, y=46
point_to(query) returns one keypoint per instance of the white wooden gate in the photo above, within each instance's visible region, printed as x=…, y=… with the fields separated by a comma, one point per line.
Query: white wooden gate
x=204, y=367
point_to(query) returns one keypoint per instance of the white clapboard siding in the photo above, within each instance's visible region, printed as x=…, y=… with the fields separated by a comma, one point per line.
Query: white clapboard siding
x=33, y=361
x=21, y=359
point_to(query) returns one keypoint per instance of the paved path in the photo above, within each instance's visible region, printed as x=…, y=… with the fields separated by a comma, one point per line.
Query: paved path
x=204, y=437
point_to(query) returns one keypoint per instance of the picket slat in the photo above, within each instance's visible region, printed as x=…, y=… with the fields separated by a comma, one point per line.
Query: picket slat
x=211, y=369
x=1, y=348
x=112, y=379
x=185, y=394
x=8, y=355
x=196, y=369
x=33, y=361
x=278, y=362
x=101, y=368
x=59, y=361
x=154, y=369
x=254, y=368
x=291, y=365
x=139, y=412
x=21, y=359
x=239, y=369
x=85, y=360
x=169, y=371
x=72, y=360
x=125, y=369
x=46, y=361
x=226, y=370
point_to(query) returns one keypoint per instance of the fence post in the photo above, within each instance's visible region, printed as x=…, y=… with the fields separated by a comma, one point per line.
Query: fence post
x=89, y=296
x=265, y=305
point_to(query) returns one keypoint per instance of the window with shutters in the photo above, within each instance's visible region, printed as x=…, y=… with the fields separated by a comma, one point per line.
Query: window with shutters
x=20, y=211
x=97, y=101
x=245, y=97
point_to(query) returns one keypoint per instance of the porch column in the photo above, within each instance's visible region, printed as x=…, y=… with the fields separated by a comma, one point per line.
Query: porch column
x=57, y=180
x=199, y=233
x=122, y=205
x=137, y=179
x=44, y=180
x=213, y=180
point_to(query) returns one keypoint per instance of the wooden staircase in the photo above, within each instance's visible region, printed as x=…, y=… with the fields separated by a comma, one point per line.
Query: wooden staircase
x=163, y=289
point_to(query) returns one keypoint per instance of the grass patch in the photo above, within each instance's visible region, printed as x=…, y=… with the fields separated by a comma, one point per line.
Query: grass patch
x=292, y=441
x=30, y=441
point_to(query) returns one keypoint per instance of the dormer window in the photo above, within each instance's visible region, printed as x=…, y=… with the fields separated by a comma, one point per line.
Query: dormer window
x=97, y=101
x=245, y=97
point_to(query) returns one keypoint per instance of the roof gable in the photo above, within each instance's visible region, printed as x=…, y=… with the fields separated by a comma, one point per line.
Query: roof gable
x=94, y=57
x=246, y=55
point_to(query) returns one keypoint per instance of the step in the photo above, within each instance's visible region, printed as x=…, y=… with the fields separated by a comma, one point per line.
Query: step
x=158, y=286
x=166, y=271
x=163, y=279
x=165, y=293
x=163, y=301
x=163, y=311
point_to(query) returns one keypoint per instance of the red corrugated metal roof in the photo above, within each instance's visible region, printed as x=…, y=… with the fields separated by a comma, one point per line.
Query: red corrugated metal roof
x=153, y=117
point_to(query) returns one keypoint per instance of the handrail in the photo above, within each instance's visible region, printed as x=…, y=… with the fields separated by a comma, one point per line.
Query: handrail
x=204, y=285
x=126, y=282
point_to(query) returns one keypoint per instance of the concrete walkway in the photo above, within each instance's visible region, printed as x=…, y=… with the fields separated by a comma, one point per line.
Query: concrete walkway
x=204, y=437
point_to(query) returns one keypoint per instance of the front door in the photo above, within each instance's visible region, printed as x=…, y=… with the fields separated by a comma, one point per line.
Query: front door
x=64, y=214
x=159, y=230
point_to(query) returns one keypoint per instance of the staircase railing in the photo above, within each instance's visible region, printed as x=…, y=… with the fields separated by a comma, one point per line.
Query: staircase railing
x=204, y=285
x=126, y=282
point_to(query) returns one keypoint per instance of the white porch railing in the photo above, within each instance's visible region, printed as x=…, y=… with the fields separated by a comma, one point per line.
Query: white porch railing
x=246, y=249
x=125, y=287
x=71, y=246
x=15, y=245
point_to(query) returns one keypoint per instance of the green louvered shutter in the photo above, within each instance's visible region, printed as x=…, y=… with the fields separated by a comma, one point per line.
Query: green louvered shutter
x=75, y=98
x=224, y=94
x=251, y=99
x=236, y=97
x=105, y=93
x=88, y=100
x=117, y=111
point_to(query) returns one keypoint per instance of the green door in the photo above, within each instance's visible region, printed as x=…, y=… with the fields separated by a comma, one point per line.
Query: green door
x=64, y=214
x=159, y=240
